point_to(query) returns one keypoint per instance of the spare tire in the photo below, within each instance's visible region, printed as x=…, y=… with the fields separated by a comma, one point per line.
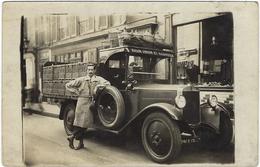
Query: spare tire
x=110, y=107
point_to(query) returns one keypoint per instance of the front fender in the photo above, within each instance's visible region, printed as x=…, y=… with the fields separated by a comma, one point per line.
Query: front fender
x=211, y=116
x=169, y=109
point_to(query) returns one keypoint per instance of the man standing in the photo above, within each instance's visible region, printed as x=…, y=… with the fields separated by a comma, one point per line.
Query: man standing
x=83, y=87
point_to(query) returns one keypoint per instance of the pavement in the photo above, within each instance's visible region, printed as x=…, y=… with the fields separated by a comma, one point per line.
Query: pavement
x=44, y=109
x=45, y=144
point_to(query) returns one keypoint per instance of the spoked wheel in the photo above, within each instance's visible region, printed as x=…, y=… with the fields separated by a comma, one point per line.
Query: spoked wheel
x=161, y=137
x=68, y=119
x=108, y=109
x=111, y=107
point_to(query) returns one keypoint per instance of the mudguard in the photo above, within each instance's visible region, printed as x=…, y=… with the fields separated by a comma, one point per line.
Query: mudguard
x=169, y=109
x=210, y=116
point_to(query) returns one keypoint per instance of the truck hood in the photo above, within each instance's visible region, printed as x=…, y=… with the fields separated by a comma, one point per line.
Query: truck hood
x=165, y=87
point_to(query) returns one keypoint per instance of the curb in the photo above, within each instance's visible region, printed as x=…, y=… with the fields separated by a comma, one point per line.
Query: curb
x=41, y=113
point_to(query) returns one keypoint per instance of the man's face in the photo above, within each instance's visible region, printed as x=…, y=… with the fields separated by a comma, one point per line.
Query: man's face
x=91, y=71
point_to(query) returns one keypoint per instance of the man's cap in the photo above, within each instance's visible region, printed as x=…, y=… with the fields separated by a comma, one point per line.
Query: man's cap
x=91, y=64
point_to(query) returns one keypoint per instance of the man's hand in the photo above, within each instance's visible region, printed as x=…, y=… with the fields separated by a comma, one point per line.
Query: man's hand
x=76, y=91
x=100, y=85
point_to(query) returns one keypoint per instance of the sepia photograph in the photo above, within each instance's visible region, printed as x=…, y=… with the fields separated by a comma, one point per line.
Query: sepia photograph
x=133, y=86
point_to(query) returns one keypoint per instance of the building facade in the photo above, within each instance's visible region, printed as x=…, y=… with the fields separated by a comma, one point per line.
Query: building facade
x=70, y=39
x=202, y=42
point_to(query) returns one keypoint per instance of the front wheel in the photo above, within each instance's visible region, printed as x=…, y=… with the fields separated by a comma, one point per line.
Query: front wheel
x=68, y=118
x=161, y=137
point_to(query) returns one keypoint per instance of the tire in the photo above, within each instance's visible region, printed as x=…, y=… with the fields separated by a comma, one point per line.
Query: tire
x=111, y=107
x=161, y=137
x=209, y=139
x=68, y=118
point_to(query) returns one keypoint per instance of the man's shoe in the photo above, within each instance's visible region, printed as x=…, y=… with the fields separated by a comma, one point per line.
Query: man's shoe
x=71, y=139
x=80, y=146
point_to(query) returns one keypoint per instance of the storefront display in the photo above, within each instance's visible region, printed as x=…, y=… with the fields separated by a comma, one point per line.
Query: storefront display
x=205, y=51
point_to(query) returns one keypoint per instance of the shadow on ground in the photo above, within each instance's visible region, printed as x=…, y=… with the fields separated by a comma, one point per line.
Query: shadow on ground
x=190, y=153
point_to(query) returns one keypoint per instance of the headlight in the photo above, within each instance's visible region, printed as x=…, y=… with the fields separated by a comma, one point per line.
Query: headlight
x=180, y=101
x=213, y=101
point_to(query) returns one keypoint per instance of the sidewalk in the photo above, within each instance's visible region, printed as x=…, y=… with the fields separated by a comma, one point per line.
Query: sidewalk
x=43, y=109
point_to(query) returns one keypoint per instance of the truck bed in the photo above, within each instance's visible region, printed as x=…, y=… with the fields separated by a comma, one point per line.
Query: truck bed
x=54, y=78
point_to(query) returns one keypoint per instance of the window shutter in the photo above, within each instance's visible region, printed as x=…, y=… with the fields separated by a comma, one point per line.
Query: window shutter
x=54, y=28
x=73, y=24
x=103, y=22
x=62, y=27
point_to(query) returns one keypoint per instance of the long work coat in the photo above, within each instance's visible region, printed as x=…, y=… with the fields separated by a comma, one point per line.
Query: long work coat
x=84, y=86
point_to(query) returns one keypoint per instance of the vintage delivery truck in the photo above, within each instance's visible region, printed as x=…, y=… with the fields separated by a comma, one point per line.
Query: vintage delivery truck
x=142, y=95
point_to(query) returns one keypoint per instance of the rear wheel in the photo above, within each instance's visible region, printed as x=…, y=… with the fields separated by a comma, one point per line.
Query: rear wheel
x=68, y=118
x=161, y=137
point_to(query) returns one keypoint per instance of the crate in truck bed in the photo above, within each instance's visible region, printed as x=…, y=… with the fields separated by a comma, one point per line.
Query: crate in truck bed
x=59, y=72
x=57, y=89
x=64, y=71
x=47, y=73
x=56, y=76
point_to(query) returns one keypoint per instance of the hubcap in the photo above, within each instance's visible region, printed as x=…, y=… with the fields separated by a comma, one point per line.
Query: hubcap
x=159, y=138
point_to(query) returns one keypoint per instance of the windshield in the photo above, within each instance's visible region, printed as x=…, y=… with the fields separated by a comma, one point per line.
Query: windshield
x=148, y=69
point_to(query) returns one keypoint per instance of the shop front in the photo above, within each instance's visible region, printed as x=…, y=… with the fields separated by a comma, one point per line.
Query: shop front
x=205, y=51
x=203, y=44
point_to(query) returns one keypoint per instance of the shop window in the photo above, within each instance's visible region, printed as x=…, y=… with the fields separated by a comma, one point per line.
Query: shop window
x=85, y=56
x=162, y=70
x=92, y=55
x=72, y=56
x=217, y=49
x=66, y=58
x=205, y=51
x=58, y=58
x=78, y=55
x=188, y=44
x=62, y=58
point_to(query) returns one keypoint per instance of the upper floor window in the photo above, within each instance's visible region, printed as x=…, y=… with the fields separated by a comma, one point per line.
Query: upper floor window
x=86, y=25
x=72, y=26
x=68, y=27
x=62, y=28
x=103, y=22
x=54, y=26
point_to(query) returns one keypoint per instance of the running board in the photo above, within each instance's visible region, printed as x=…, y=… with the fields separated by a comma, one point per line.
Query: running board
x=105, y=130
